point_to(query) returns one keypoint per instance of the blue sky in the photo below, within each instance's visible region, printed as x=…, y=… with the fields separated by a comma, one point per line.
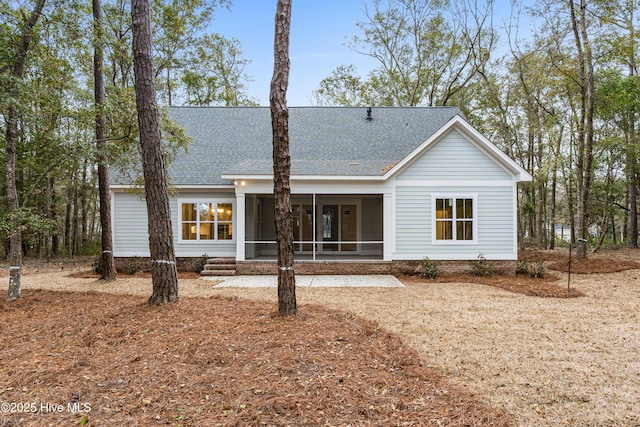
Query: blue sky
x=319, y=30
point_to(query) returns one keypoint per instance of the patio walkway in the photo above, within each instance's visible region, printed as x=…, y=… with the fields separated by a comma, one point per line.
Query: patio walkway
x=363, y=281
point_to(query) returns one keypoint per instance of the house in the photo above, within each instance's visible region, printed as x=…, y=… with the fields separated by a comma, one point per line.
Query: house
x=374, y=190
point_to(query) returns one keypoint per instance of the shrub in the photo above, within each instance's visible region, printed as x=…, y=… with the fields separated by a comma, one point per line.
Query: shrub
x=523, y=267
x=429, y=268
x=133, y=265
x=198, y=266
x=536, y=270
x=482, y=267
x=97, y=265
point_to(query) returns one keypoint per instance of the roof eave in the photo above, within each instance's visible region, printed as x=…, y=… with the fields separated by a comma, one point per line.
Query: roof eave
x=178, y=186
x=247, y=177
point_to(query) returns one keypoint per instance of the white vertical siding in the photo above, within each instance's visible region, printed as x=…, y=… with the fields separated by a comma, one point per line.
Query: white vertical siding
x=454, y=157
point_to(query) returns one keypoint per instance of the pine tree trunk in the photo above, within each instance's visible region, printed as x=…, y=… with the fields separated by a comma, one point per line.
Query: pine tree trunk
x=633, y=187
x=53, y=214
x=11, y=143
x=632, y=161
x=554, y=184
x=163, y=262
x=287, y=305
x=108, y=268
x=15, y=246
x=84, y=207
x=584, y=164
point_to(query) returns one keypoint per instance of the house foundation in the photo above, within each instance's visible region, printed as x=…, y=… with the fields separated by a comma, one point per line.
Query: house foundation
x=130, y=265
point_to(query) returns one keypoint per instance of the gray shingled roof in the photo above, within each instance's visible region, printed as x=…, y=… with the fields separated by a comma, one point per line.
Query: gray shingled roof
x=324, y=141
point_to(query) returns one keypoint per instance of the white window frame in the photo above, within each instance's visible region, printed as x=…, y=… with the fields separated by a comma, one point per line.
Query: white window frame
x=216, y=202
x=474, y=220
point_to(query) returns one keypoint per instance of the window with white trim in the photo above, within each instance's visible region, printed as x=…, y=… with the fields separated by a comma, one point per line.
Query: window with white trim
x=454, y=219
x=206, y=221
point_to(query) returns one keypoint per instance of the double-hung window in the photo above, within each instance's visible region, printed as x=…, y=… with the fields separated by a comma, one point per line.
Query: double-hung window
x=205, y=220
x=454, y=219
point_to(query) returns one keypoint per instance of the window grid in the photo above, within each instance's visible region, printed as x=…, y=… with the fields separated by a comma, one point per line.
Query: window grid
x=454, y=219
x=202, y=221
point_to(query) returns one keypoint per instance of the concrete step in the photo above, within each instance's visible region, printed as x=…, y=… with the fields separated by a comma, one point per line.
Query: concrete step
x=218, y=273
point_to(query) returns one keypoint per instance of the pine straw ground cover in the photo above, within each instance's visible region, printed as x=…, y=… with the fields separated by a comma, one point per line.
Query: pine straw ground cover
x=540, y=361
x=212, y=361
x=546, y=287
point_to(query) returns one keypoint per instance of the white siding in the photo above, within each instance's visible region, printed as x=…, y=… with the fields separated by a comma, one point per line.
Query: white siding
x=130, y=231
x=495, y=225
x=454, y=157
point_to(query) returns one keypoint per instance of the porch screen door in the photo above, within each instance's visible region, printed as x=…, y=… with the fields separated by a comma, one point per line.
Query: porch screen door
x=303, y=227
x=348, y=227
x=330, y=227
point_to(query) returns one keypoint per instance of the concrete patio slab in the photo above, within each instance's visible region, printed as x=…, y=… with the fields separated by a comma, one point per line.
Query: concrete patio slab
x=328, y=281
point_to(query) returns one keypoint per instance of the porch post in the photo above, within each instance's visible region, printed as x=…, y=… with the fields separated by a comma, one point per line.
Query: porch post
x=387, y=228
x=241, y=215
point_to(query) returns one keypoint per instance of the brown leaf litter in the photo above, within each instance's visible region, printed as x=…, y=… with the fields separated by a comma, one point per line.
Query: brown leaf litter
x=213, y=361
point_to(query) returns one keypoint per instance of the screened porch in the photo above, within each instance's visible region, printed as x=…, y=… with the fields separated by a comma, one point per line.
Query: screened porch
x=325, y=227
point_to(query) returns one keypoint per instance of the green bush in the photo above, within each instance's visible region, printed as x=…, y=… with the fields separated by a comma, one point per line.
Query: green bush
x=133, y=265
x=97, y=265
x=537, y=270
x=429, y=268
x=482, y=267
x=523, y=267
x=199, y=265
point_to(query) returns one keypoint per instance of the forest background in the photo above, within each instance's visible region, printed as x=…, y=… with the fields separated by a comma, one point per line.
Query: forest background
x=562, y=100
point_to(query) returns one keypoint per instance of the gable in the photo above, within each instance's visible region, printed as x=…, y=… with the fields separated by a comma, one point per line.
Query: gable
x=452, y=158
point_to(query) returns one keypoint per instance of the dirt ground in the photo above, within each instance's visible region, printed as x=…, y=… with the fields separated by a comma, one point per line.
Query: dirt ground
x=476, y=355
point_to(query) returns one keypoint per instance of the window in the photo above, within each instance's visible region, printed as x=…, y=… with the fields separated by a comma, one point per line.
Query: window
x=454, y=219
x=206, y=221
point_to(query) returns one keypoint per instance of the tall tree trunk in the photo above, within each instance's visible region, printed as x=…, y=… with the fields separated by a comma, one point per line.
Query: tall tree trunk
x=75, y=217
x=584, y=164
x=108, y=270
x=164, y=274
x=554, y=186
x=633, y=150
x=169, y=100
x=53, y=214
x=287, y=305
x=67, y=219
x=11, y=143
x=633, y=184
x=84, y=206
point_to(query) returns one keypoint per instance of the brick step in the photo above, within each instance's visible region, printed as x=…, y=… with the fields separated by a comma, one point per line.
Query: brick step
x=224, y=266
x=219, y=266
x=227, y=260
x=218, y=273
